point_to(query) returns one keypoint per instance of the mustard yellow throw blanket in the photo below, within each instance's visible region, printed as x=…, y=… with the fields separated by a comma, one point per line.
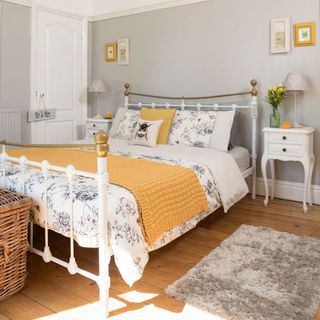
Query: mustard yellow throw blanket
x=166, y=195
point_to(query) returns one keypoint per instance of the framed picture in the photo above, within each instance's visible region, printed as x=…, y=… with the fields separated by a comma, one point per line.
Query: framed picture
x=280, y=35
x=123, y=52
x=304, y=34
x=111, y=52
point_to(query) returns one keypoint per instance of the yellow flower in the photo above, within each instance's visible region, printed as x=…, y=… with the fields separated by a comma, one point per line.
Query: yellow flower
x=275, y=88
x=280, y=89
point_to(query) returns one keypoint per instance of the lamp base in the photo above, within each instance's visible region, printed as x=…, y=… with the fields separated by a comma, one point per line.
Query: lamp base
x=98, y=116
x=297, y=125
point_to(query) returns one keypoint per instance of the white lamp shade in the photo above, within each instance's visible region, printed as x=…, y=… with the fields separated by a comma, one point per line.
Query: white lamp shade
x=97, y=86
x=296, y=82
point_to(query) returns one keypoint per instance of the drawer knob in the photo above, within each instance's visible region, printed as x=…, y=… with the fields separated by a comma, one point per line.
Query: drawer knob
x=284, y=150
x=284, y=138
x=94, y=125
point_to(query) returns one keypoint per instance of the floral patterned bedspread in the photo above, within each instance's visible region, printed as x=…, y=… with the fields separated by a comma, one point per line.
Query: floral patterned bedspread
x=127, y=242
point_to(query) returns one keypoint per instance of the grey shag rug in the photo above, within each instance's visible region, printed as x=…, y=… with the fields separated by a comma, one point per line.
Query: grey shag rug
x=256, y=274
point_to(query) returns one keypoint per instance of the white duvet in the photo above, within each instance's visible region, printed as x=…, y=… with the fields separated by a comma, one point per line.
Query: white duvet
x=217, y=172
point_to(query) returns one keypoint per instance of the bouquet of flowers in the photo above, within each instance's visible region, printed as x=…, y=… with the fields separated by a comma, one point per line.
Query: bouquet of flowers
x=274, y=97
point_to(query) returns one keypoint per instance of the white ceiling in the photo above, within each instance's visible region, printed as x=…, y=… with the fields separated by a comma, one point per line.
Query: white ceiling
x=109, y=6
x=100, y=9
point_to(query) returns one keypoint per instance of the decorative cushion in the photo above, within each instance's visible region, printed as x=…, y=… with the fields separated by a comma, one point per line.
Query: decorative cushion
x=192, y=128
x=116, y=121
x=221, y=133
x=127, y=124
x=235, y=130
x=160, y=114
x=146, y=132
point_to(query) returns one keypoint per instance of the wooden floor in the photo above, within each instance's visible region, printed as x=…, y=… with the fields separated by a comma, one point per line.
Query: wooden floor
x=51, y=293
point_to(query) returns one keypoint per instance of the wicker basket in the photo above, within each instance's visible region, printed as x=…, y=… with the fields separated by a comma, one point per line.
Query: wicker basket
x=14, y=218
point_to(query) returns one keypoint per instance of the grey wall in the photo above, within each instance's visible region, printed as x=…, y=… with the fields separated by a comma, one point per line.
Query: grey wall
x=212, y=47
x=15, y=34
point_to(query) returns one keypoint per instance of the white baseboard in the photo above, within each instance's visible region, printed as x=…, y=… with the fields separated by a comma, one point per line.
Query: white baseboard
x=287, y=190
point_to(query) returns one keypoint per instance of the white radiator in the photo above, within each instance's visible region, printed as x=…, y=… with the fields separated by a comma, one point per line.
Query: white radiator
x=10, y=125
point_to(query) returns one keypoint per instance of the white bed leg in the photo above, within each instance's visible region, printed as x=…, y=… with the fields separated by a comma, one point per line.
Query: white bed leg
x=254, y=180
x=104, y=256
x=47, y=256
x=72, y=266
x=254, y=115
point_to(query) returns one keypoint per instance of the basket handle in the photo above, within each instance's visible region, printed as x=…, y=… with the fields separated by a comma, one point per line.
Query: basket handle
x=6, y=251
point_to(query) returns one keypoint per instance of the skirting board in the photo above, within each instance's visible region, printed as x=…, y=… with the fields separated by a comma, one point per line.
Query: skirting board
x=287, y=190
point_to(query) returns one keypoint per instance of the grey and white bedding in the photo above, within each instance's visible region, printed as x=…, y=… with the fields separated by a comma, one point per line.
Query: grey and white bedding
x=217, y=172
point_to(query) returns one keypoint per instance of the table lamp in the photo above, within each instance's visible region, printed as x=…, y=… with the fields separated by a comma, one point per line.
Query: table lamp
x=98, y=87
x=296, y=82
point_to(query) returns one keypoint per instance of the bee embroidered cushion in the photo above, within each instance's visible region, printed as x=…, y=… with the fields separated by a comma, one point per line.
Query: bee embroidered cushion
x=146, y=132
x=160, y=114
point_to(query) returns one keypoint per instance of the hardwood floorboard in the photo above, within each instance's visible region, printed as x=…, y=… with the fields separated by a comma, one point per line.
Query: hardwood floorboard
x=3, y=317
x=50, y=291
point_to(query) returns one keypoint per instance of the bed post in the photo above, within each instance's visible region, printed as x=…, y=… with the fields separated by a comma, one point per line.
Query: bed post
x=254, y=114
x=101, y=140
x=126, y=95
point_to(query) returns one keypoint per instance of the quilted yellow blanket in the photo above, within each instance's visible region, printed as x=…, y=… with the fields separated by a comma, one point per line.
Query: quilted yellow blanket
x=166, y=195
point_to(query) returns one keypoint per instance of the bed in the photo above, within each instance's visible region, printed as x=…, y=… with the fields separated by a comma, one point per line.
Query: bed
x=80, y=203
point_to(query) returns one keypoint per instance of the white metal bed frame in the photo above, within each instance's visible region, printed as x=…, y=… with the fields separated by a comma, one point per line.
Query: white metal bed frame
x=253, y=107
x=103, y=278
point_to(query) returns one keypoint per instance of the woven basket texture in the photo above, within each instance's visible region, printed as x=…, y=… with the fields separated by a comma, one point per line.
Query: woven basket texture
x=14, y=219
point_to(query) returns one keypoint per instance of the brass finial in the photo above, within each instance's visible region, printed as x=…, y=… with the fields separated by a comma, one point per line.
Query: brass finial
x=254, y=91
x=102, y=147
x=126, y=92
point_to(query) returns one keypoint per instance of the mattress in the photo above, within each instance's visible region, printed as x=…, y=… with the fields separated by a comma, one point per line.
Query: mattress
x=241, y=156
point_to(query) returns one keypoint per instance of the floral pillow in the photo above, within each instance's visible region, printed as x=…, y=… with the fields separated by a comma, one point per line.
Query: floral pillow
x=127, y=124
x=192, y=128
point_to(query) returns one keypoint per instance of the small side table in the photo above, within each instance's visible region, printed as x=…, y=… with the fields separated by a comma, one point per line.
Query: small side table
x=96, y=125
x=289, y=145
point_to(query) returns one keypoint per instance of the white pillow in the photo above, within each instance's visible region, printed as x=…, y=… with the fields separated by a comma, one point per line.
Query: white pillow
x=116, y=121
x=127, y=124
x=146, y=132
x=222, y=130
x=192, y=128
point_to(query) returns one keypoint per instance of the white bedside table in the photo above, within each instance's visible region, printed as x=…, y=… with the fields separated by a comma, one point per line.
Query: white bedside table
x=288, y=145
x=95, y=125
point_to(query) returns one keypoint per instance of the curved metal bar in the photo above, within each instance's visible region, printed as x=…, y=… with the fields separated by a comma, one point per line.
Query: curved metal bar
x=59, y=146
x=253, y=92
x=190, y=98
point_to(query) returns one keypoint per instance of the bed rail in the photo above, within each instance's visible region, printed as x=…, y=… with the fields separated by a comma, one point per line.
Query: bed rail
x=101, y=146
x=253, y=107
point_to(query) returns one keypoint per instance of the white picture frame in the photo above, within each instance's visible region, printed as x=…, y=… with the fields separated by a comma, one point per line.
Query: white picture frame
x=280, y=36
x=123, y=52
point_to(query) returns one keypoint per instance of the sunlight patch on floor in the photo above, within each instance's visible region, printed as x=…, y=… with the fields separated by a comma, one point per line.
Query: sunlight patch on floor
x=88, y=311
x=137, y=297
x=155, y=313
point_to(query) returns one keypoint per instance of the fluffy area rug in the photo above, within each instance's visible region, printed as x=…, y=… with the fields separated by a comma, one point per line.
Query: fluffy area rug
x=257, y=273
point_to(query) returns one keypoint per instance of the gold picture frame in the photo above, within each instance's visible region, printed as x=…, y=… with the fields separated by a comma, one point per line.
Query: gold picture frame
x=111, y=52
x=304, y=34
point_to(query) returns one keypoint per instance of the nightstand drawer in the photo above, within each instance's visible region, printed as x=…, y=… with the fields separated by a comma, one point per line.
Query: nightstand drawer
x=287, y=138
x=91, y=133
x=96, y=126
x=286, y=150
